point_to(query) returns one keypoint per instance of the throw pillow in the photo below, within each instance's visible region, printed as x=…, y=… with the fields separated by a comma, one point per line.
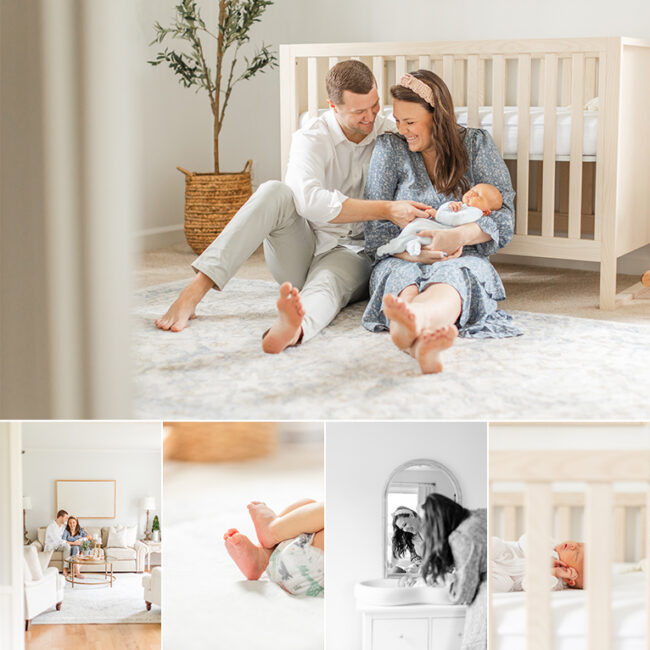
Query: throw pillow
x=117, y=537
x=131, y=534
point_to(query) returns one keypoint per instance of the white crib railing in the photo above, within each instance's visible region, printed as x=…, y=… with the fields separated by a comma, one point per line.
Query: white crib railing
x=602, y=510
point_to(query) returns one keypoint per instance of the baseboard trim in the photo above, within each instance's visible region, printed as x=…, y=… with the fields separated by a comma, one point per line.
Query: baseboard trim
x=153, y=238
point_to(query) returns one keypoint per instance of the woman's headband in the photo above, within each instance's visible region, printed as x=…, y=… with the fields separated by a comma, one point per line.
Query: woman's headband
x=403, y=510
x=418, y=87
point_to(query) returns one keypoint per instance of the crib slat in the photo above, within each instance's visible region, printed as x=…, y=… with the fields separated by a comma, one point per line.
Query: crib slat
x=523, y=143
x=424, y=62
x=332, y=61
x=448, y=72
x=548, y=165
x=563, y=522
x=598, y=561
x=472, y=90
x=491, y=518
x=541, y=82
x=312, y=86
x=600, y=151
x=400, y=67
x=498, y=98
x=645, y=527
x=577, y=136
x=565, y=94
x=538, y=531
x=590, y=79
x=509, y=522
x=482, y=78
x=459, y=94
x=619, y=534
x=379, y=71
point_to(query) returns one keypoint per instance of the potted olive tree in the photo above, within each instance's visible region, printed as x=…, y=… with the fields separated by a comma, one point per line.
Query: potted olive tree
x=211, y=199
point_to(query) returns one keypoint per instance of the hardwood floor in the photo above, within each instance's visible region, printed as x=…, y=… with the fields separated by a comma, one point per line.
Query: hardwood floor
x=125, y=636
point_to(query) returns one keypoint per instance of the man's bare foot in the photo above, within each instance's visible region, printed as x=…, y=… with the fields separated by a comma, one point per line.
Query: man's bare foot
x=252, y=560
x=288, y=325
x=183, y=308
x=403, y=328
x=430, y=344
x=263, y=518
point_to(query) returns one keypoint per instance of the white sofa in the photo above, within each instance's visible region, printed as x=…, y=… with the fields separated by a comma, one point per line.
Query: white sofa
x=152, y=584
x=44, y=588
x=127, y=558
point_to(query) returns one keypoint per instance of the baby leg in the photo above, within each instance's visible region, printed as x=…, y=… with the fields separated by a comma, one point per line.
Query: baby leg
x=272, y=529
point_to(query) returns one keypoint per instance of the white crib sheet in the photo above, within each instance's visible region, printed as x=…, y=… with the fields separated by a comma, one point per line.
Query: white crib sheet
x=569, y=616
x=510, y=129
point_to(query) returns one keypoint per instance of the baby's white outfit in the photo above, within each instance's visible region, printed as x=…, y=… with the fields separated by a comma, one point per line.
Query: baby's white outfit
x=508, y=565
x=409, y=241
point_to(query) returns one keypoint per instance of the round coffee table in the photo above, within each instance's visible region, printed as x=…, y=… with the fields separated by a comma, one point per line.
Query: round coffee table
x=94, y=579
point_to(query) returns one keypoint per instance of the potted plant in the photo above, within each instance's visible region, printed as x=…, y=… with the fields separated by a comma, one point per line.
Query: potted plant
x=155, y=529
x=211, y=199
x=85, y=546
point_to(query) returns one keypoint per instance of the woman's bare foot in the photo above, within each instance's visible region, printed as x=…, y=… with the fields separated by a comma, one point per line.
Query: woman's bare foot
x=252, y=560
x=183, y=308
x=429, y=345
x=403, y=328
x=288, y=325
x=263, y=518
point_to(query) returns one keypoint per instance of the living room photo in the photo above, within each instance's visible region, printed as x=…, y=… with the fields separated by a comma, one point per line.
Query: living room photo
x=90, y=532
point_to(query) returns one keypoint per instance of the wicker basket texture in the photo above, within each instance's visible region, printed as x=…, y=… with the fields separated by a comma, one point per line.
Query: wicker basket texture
x=218, y=441
x=211, y=200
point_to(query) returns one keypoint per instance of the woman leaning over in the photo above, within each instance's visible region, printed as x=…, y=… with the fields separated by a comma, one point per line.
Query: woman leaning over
x=450, y=287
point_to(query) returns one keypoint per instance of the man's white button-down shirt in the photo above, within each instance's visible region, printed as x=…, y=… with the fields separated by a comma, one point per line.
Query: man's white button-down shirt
x=324, y=170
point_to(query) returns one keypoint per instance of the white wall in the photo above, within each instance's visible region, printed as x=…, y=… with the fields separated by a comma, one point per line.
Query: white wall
x=176, y=123
x=129, y=452
x=359, y=458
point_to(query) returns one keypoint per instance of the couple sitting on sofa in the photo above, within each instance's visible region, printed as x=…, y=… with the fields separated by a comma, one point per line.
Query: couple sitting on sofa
x=66, y=534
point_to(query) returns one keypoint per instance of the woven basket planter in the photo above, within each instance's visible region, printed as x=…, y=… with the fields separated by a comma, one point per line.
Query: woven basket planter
x=211, y=200
x=218, y=441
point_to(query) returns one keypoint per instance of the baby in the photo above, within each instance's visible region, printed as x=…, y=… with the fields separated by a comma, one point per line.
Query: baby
x=508, y=565
x=290, y=547
x=477, y=202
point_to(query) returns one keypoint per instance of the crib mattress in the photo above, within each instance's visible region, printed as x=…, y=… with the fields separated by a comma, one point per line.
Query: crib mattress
x=511, y=125
x=569, y=616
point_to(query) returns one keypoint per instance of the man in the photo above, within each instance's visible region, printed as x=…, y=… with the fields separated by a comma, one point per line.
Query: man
x=311, y=225
x=54, y=537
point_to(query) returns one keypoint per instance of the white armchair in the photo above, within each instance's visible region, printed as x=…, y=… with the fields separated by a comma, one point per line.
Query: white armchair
x=152, y=583
x=43, y=586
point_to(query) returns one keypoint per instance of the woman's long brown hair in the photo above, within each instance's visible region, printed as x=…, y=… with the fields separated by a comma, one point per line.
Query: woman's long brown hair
x=451, y=160
x=67, y=527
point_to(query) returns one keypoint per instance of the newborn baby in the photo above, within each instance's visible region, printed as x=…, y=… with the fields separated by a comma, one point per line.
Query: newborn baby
x=477, y=202
x=508, y=565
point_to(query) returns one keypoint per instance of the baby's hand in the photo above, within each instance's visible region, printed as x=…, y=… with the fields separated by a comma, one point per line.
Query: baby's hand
x=565, y=573
x=431, y=212
x=455, y=206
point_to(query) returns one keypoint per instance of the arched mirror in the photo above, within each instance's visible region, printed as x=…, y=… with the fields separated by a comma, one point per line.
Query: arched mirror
x=406, y=490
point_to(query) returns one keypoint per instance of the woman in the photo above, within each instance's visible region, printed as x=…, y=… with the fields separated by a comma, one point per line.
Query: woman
x=407, y=536
x=455, y=551
x=74, y=535
x=425, y=300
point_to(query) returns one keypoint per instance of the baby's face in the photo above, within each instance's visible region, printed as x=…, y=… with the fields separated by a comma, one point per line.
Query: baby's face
x=484, y=197
x=573, y=555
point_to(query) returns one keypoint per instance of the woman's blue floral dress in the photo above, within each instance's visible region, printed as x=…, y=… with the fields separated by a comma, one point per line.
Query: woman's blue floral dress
x=396, y=173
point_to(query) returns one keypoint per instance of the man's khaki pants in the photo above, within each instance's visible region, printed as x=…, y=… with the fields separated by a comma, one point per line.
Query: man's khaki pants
x=327, y=282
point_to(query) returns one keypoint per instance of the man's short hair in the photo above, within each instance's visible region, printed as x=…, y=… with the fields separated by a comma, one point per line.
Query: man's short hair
x=61, y=513
x=351, y=75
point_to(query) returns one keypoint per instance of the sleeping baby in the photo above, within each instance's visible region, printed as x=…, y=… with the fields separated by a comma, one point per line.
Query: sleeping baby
x=477, y=202
x=508, y=565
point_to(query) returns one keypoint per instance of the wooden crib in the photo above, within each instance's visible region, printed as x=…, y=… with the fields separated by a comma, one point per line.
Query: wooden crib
x=605, y=511
x=570, y=205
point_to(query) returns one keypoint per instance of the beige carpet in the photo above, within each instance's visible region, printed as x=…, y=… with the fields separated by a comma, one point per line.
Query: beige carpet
x=529, y=288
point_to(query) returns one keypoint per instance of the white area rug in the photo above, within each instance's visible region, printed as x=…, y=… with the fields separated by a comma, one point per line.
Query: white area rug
x=207, y=601
x=123, y=603
x=562, y=368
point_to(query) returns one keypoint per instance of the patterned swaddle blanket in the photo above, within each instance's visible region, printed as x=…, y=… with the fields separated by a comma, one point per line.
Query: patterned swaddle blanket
x=298, y=567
